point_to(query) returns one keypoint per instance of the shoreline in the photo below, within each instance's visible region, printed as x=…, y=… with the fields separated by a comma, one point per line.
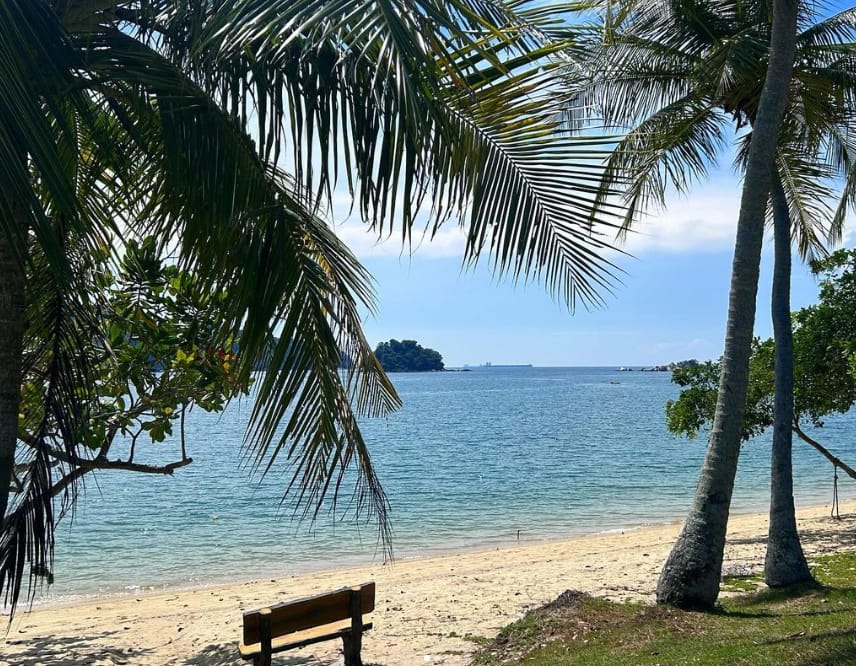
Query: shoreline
x=426, y=607
x=367, y=561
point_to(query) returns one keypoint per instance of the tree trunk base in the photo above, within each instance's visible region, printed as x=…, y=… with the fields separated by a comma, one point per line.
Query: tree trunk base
x=690, y=577
x=785, y=563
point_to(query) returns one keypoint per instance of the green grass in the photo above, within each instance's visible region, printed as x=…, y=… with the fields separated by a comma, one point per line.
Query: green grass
x=805, y=625
x=750, y=583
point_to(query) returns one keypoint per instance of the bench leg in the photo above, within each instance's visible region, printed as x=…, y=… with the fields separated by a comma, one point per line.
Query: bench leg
x=265, y=635
x=351, y=647
x=353, y=640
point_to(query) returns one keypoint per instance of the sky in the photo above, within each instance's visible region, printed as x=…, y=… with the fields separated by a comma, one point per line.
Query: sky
x=671, y=304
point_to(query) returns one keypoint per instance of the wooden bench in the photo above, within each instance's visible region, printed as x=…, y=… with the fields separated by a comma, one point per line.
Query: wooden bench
x=294, y=624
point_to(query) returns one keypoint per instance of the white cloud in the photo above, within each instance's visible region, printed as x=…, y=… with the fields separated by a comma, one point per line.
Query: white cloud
x=449, y=241
x=705, y=220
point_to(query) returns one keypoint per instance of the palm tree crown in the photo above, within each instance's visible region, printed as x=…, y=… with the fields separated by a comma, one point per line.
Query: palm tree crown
x=684, y=76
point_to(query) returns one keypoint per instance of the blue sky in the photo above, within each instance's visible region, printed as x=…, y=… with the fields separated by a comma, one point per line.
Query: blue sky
x=672, y=304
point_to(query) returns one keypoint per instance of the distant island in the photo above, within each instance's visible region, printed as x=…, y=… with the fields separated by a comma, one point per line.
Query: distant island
x=669, y=367
x=408, y=356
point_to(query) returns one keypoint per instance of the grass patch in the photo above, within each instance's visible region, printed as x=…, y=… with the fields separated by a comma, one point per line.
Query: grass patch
x=804, y=625
x=475, y=638
x=837, y=570
x=750, y=583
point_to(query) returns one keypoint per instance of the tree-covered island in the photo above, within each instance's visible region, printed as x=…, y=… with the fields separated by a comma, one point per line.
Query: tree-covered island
x=408, y=356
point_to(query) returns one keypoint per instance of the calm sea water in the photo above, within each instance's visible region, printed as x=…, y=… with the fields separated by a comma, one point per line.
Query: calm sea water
x=471, y=459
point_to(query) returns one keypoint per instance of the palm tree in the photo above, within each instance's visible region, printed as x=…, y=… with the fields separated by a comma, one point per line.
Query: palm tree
x=819, y=148
x=690, y=577
x=174, y=118
x=689, y=70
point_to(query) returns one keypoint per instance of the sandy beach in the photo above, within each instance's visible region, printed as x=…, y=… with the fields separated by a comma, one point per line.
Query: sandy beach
x=428, y=610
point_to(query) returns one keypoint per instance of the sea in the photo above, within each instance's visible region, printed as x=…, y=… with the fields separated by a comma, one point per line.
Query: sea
x=479, y=459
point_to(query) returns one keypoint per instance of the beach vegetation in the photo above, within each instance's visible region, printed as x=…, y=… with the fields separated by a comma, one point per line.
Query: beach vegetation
x=408, y=356
x=710, y=61
x=154, y=356
x=811, y=623
x=220, y=130
x=824, y=361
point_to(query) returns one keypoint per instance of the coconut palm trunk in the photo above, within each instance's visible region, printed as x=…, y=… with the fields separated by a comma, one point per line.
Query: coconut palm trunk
x=11, y=353
x=690, y=577
x=785, y=561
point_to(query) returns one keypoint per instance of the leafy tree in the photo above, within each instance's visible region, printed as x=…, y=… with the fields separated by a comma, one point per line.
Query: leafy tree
x=171, y=118
x=679, y=75
x=824, y=362
x=407, y=356
x=154, y=356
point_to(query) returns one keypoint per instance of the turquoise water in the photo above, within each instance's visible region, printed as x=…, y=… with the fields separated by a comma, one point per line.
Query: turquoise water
x=472, y=458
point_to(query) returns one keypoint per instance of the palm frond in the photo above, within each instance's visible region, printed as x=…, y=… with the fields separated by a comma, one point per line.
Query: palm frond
x=833, y=33
x=672, y=149
x=33, y=52
x=847, y=200
x=358, y=96
x=28, y=536
x=62, y=325
x=244, y=228
x=808, y=189
x=533, y=194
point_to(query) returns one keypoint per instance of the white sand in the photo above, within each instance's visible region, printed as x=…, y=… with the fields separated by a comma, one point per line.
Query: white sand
x=425, y=608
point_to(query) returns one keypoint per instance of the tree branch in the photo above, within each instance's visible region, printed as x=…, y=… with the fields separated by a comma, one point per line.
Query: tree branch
x=183, y=441
x=68, y=479
x=824, y=452
x=133, y=446
x=100, y=462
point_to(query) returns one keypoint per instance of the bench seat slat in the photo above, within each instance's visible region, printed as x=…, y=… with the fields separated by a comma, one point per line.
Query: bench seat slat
x=302, y=638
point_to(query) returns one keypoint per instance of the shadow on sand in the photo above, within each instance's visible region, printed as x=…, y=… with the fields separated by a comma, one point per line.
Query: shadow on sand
x=70, y=651
x=835, y=534
x=59, y=650
x=90, y=649
x=225, y=654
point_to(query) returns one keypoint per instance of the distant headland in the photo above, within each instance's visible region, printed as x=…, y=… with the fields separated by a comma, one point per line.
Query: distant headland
x=669, y=367
x=408, y=356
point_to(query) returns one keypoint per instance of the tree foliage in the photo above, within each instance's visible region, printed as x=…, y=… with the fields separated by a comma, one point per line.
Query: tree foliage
x=407, y=356
x=824, y=363
x=154, y=355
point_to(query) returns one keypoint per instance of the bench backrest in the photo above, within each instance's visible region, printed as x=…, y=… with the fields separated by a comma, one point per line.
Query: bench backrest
x=308, y=612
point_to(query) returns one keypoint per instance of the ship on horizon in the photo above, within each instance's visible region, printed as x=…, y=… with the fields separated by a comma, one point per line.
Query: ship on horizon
x=488, y=364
